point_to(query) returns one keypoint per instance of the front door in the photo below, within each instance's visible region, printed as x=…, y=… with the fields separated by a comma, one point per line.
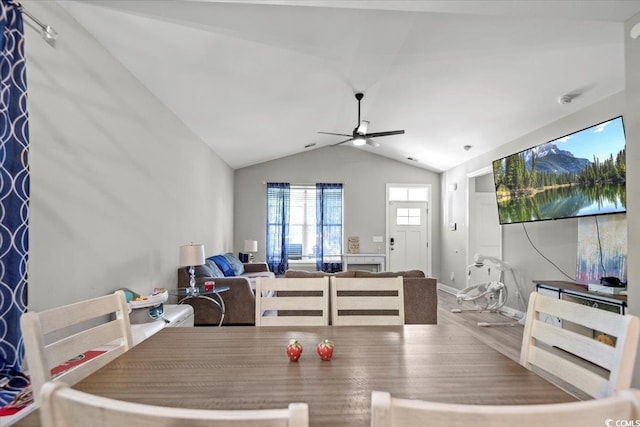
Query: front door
x=407, y=241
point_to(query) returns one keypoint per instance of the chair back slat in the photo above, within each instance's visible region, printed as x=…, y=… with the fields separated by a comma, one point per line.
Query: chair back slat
x=370, y=302
x=582, y=346
x=292, y=303
x=569, y=371
x=600, y=320
x=99, y=336
x=59, y=318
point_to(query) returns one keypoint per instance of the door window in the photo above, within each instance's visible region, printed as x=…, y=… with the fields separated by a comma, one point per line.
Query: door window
x=408, y=216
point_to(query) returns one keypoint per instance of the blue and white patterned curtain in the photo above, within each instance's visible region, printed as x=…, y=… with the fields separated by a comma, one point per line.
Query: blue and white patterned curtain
x=14, y=196
x=278, y=197
x=329, y=227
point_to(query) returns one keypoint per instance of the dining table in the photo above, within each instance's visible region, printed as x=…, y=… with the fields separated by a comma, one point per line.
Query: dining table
x=247, y=367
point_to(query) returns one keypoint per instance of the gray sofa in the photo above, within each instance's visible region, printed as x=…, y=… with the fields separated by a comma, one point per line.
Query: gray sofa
x=240, y=300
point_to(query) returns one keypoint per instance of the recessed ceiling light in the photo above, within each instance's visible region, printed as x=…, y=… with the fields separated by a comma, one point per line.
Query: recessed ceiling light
x=635, y=31
x=310, y=145
x=412, y=159
x=467, y=147
x=567, y=98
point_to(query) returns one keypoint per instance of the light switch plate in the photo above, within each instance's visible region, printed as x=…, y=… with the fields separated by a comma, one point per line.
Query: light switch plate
x=377, y=239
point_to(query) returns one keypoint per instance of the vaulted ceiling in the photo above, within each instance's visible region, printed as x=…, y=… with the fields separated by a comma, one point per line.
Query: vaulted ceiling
x=257, y=80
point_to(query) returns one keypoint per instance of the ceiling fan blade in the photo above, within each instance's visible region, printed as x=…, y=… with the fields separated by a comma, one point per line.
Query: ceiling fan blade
x=362, y=129
x=360, y=136
x=339, y=134
x=387, y=133
x=342, y=142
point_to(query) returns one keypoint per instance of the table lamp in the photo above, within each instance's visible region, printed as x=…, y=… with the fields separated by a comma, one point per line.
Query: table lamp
x=190, y=256
x=250, y=246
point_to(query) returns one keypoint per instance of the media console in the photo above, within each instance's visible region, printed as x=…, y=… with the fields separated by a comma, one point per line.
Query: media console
x=581, y=294
x=574, y=292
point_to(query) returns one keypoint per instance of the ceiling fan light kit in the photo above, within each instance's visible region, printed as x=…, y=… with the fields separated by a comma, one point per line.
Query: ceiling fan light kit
x=359, y=141
x=360, y=137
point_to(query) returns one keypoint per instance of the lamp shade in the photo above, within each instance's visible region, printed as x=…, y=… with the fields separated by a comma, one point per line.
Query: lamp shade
x=191, y=255
x=251, y=246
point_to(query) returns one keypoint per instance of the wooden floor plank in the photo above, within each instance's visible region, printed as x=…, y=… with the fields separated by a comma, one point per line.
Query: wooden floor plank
x=505, y=339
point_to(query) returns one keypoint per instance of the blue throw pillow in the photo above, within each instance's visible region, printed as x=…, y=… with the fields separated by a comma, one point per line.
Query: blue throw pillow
x=215, y=270
x=236, y=264
x=223, y=264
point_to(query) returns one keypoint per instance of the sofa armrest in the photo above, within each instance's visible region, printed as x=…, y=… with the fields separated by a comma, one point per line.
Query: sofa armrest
x=239, y=301
x=420, y=300
x=256, y=267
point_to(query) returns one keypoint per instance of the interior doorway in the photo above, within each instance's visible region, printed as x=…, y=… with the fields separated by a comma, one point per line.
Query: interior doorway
x=484, y=230
x=408, y=245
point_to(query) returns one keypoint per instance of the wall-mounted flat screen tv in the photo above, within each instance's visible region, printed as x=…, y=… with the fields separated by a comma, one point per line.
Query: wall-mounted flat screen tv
x=580, y=174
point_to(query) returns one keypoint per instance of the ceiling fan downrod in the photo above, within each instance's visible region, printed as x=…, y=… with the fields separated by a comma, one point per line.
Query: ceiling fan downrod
x=359, y=97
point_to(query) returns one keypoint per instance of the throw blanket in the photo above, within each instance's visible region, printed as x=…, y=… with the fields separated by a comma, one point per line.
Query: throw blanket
x=14, y=391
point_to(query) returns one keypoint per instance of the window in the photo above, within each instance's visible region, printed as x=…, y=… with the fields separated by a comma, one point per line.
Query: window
x=277, y=226
x=408, y=194
x=302, y=223
x=329, y=227
x=408, y=216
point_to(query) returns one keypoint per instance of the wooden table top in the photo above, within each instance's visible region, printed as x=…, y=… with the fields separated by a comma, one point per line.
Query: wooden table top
x=247, y=368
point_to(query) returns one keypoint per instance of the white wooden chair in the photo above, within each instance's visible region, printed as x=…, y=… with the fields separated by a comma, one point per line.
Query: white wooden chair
x=598, y=369
x=387, y=411
x=367, y=301
x=54, y=337
x=63, y=406
x=292, y=301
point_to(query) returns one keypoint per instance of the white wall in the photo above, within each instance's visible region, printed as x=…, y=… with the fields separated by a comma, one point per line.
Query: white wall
x=557, y=240
x=632, y=130
x=117, y=181
x=364, y=176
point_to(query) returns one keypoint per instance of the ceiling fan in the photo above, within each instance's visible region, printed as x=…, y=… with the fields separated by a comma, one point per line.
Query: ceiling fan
x=360, y=135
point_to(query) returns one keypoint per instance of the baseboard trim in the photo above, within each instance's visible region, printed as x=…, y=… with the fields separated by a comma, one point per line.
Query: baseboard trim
x=506, y=311
x=448, y=289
